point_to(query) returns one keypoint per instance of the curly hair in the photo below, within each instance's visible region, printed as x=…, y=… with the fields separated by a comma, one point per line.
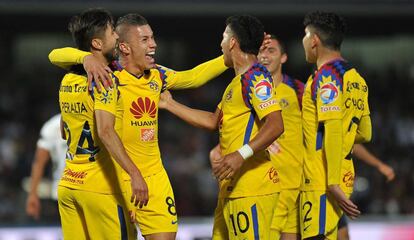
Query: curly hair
x=330, y=28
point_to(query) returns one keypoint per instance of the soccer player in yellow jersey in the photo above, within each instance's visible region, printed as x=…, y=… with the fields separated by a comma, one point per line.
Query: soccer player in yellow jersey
x=335, y=114
x=287, y=151
x=140, y=84
x=89, y=194
x=249, y=120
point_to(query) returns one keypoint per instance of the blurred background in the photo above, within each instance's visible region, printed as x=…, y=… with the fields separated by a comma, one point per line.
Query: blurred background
x=379, y=43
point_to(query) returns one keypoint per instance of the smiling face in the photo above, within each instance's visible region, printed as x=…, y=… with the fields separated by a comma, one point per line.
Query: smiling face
x=140, y=47
x=272, y=57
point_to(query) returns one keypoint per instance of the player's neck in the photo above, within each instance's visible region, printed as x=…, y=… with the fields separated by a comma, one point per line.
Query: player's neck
x=243, y=61
x=130, y=67
x=327, y=55
x=277, y=77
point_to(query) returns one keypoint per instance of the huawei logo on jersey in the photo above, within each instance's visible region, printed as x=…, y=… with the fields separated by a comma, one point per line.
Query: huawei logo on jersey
x=142, y=106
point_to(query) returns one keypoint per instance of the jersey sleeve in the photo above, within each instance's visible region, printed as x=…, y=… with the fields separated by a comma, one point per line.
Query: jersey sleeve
x=67, y=57
x=260, y=96
x=107, y=99
x=328, y=96
x=192, y=78
x=366, y=105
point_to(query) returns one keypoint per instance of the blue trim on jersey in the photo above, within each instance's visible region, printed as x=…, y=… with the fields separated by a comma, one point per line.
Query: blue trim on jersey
x=322, y=214
x=249, y=128
x=255, y=222
x=319, y=136
x=121, y=217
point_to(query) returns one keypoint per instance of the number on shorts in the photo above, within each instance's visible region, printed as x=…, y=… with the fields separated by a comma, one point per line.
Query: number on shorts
x=240, y=215
x=306, y=218
x=171, y=205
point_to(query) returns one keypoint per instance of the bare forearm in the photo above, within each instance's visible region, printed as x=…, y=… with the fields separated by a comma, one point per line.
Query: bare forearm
x=41, y=158
x=271, y=129
x=362, y=154
x=195, y=117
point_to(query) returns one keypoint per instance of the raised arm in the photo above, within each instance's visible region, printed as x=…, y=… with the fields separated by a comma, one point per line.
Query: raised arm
x=195, y=117
x=95, y=69
x=196, y=76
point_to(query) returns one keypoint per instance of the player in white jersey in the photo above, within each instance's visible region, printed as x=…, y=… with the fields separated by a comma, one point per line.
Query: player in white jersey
x=49, y=146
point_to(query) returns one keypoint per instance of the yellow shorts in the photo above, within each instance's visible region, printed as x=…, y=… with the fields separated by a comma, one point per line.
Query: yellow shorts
x=159, y=216
x=286, y=216
x=89, y=215
x=319, y=214
x=244, y=218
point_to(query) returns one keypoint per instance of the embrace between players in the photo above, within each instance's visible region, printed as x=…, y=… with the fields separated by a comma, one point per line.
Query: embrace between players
x=283, y=152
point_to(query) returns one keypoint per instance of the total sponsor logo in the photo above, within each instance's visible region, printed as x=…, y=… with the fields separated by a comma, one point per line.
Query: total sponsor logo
x=273, y=175
x=147, y=134
x=348, y=179
x=263, y=90
x=328, y=93
x=143, y=106
x=330, y=109
x=267, y=104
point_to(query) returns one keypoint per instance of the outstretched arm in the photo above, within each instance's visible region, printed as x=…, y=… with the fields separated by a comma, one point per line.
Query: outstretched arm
x=195, y=117
x=95, y=69
x=363, y=154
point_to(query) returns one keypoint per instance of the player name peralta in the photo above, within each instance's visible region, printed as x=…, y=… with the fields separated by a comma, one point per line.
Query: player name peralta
x=73, y=107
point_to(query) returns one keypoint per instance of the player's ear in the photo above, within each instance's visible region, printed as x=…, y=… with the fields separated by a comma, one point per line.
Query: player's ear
x=232, y=42
x=124, y=48
x=284, y=58
x=315, y=40
x=97, y=43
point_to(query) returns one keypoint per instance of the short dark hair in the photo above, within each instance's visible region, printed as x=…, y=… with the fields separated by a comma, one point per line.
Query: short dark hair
x=330, y=28
x=281, y=43
x=248, y=31
x=89, y=25
x=124, y=22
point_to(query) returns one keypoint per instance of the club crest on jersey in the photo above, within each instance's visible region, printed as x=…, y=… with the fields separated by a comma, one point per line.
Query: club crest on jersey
x=283, y=103
x=106, y=97
x=263, y=90
x=328, y=93
x=142, y=106
x=154, y=86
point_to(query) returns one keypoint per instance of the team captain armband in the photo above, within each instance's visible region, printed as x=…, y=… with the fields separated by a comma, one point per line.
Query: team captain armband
x=246, y=151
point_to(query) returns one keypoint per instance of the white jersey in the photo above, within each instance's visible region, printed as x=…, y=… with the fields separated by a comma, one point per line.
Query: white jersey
x=51, y=140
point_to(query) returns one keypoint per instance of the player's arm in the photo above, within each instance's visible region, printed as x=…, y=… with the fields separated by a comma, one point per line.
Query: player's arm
x=33, y=202
x=195, y=117
x=271, y=129
x=95, y=69
x=105, y=122
x=333, y=151
x=364, y=131
x=364, y=155
x=196, y=76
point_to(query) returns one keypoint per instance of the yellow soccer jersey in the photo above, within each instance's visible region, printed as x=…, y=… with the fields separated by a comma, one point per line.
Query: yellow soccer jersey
x=248, y=98
x=335, y=91
x=287, y=152
x=140, y=103
x=89, y=166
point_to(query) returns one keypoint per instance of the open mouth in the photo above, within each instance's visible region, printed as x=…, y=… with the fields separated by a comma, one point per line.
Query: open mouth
x=150, y=57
